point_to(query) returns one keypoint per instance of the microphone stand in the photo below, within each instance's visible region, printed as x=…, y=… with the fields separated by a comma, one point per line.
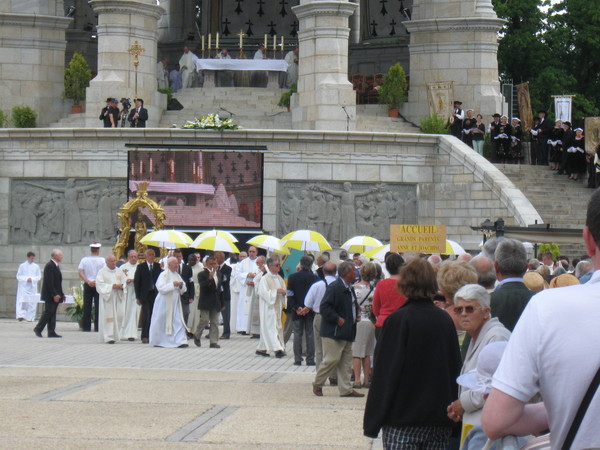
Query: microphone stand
x=347, y=118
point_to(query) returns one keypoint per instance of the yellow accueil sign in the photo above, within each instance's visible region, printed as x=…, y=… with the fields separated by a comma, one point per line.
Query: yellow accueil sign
x=418, y=238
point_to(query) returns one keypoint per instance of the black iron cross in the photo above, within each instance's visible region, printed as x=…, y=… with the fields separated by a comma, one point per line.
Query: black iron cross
x=383, y=10
x=283, y=12
x=249, y=30
x=226, y=31
x=272, y=31
x=374, y=30
x=260, y=4
x=393, y=25
x=239, y=9
x=294, y=31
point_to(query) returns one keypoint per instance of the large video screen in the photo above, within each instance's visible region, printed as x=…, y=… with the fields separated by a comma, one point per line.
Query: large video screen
x=201, y=189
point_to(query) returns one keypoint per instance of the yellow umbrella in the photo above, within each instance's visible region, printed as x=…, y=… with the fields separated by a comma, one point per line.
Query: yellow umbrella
x=378, y=253
x=269, y=243
x=167, y=238
x=453, y=248
x=215, y=243
x=306, y=240
x=221, y=233
x=360, y=244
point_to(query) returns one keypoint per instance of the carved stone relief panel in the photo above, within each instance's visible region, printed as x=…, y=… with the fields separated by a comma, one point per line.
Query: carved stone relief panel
x=65, y=211
x=342, y=210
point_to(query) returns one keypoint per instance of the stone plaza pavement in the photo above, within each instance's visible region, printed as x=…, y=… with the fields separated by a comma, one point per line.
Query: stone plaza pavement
x=77, y=392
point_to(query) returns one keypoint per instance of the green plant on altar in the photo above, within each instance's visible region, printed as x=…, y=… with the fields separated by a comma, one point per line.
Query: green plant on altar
x=77, y=79
x=434, y=124
x=286, y=97
x=75, y=310
x=210, y=122
x=392, y=90
x=552, y=248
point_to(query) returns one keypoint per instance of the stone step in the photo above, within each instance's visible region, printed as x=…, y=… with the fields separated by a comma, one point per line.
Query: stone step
x=71, y=121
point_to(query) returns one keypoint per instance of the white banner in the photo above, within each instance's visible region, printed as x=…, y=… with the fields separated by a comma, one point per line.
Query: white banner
x=562, y=107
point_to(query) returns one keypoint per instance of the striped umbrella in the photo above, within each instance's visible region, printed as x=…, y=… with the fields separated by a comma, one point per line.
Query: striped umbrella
x=453, y=248
x=167, y=238
x=214, y=243
x=378, y=253
x=221, y=233
x=306, y=240
x=269, y=243
x=360, y=244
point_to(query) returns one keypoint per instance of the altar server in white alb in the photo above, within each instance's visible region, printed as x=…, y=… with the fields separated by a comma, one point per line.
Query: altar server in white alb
x=187, y=67
x=271, y=291
x=28, y=275
x=109, y=284
x=129, y=327
x=167, y=328
x=246, y=271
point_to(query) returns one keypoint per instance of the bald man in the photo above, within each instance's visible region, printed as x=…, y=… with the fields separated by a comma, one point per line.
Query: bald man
x=109, y=284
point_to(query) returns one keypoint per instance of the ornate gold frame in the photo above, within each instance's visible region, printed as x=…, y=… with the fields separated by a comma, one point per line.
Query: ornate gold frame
x=141, y=200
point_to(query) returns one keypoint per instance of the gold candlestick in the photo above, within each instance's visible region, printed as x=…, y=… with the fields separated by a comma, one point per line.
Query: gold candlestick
x=136, y=50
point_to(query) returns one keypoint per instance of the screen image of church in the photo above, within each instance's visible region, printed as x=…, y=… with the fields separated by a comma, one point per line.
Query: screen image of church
x=201, y=189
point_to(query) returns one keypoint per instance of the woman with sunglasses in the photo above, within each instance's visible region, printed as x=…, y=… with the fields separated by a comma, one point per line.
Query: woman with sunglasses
x=473, y=313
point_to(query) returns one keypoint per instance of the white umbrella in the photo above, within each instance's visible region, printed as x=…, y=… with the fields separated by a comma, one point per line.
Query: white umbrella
x=167, y=238
x=215, y=243
x=269, y=243
x=378, y=253
x=306, y=240
x=359, y=244
x=453, y=248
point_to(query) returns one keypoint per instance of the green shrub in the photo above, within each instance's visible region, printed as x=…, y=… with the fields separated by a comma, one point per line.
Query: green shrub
x=434, y=124
x=392, y=90
x=77, y=78
x=169, y=93
x=552, y=248
x=24, y=117
x=3, y=119
x=286, y=97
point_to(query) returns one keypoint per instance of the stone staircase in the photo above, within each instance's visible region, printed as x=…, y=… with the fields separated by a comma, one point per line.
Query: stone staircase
x=70, y=121
x=257, y=108
x=561, y=202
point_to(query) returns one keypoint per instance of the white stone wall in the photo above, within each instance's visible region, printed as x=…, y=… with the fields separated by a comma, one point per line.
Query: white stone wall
x=455, y=186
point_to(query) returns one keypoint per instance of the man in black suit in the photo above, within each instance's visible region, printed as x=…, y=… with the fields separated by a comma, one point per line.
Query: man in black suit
x=298, y=285
x=144, y=283
x=339, y=314
x=185, y=271
x=224, y=272
x=511, y=295
x=544, y=133
x=209, y=302
x=138, y=115
x=52, y=294
x=457, y=123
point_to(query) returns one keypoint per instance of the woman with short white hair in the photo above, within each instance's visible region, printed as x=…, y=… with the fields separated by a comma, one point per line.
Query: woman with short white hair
x=473, y=312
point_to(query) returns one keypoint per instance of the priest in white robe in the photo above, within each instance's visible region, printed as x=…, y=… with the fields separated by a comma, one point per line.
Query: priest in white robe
x=162, y=73
x=234, y=289
x=254, y=315
x=110, y=283
x=167, y=328
x=129, y=327
x=292, y=73
x=28, y=276
x=246, y=271
x=187, y=66
x=271, y=292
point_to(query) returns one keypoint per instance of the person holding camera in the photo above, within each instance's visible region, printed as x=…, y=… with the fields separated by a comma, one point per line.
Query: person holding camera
x=110, y=113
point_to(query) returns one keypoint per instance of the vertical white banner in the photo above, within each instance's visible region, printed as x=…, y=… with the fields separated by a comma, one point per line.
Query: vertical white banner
x=562, y=107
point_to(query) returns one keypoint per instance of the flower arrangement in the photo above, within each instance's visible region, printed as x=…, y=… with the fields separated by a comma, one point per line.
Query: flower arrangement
x=75, y=311
x=210, y=122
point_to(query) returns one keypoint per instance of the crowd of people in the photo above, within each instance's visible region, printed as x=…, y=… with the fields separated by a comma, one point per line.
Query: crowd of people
x=558, y=146
x=420, y=332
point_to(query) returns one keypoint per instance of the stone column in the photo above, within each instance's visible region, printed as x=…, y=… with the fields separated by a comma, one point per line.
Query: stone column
x=325, y=97
x=32, y=57
x=120, y=23
x=454, y=41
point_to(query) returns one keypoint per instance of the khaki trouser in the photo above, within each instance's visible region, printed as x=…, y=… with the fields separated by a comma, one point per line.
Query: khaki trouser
x=319, y=344
x=336, y=353
x=207, y=315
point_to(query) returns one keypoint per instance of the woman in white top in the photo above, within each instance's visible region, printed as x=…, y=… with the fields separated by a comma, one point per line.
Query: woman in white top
x=364, y=343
